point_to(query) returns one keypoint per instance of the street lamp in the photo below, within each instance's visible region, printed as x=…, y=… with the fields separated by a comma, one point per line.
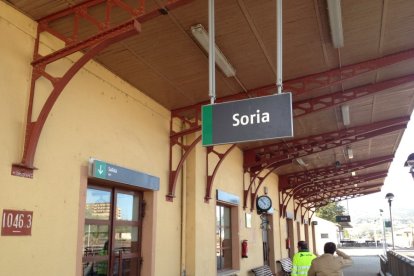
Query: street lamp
x=384, y=244
x=390, y=197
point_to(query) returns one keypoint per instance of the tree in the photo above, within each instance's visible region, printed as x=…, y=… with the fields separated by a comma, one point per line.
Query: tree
x=330, y=211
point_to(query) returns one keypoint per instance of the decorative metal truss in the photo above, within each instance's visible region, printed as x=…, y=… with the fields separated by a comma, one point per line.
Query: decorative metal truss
x=190, y=117
x=105, y=32
x=323, y=189
x=261, y=161
x=294, y=180
x=290, y=185
x=335, y=197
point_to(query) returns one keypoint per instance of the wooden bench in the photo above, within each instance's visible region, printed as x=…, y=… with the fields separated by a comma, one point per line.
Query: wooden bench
x=262, y=271
x=286, y=265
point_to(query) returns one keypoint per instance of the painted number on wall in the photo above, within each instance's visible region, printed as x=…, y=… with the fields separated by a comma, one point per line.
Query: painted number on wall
x=16, y=223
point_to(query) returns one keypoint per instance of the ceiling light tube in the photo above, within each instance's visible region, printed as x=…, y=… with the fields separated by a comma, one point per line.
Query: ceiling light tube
x=350, y=153
x=301, y=162
x=345, y=114
x=201, y=35
x=335, y=22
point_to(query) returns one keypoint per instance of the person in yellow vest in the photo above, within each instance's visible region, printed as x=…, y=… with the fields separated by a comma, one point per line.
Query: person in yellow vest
x=302, y=260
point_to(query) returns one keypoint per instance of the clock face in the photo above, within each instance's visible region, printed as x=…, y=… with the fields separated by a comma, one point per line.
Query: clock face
x=264, y=203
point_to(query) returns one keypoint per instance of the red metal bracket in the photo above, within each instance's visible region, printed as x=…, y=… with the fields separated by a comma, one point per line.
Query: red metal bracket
x=174, y=173
x=210, y=177
x=105, y=36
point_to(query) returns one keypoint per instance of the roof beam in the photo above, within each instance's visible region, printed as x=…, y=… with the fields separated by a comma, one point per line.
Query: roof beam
x=334, y=184
x=344, y=191
x=270, y=157
x=277, y=154
x=290, y=181
x=307, y=84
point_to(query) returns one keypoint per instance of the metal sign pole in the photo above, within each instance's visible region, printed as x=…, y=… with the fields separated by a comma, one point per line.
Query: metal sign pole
x=211, y=53
x=279, y=47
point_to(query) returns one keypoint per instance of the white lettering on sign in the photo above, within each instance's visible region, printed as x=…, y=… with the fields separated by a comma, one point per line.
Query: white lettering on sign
x=256, y=118
x=112, y=170
x=16, y=222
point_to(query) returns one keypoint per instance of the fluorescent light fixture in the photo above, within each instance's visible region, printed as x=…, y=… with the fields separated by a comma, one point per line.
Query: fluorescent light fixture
x=345, y=114
x=335, y=22
x=201, y=35
x=350, y=153
x=301, y=162
x=355, y=185
x=353, y=173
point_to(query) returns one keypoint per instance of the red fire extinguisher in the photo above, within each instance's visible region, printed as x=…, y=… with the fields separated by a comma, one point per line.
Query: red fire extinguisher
x=287, y=243
x=244, y=249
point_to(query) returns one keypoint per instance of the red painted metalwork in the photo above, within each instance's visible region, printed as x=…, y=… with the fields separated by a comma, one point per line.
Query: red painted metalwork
x=329, y=185
x=317, y=81
x=314, y=178
x=174, y=173
x=273, y=156
x=327, y=201
x=210, y=178
x=106, y=35
x=190, y=116
x=334, y=194
x=291, y=181
x=304, y=107
x=332, y=184
x=270, y=155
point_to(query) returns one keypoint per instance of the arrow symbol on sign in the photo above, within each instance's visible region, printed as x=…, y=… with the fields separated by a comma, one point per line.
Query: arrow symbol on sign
x=100, y=171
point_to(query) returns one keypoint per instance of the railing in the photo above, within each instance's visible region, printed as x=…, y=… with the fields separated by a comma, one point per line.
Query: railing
x=398, y=265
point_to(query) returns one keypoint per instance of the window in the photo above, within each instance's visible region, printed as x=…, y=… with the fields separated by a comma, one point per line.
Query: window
x=112, y=236
x=223, y=238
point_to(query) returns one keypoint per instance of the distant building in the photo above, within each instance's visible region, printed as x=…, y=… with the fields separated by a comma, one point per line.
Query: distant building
x=325, y=231
x=102, y=210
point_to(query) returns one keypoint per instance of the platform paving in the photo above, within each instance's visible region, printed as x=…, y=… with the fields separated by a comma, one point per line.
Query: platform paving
x=366, y=261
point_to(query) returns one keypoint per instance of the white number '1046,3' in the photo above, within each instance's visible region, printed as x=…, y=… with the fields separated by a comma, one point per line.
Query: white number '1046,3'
x=16, y=221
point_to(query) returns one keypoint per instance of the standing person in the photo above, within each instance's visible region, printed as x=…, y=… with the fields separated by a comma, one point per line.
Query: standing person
x=302, y=260
x=328, y=264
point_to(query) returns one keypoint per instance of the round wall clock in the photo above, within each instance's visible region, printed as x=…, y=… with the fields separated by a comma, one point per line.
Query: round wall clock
x=263, y=204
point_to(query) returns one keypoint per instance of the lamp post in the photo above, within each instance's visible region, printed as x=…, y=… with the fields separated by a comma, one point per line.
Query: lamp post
x=384, y=244
x=390, y=197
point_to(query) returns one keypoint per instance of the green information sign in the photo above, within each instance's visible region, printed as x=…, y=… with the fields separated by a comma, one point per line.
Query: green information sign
x=107, y=171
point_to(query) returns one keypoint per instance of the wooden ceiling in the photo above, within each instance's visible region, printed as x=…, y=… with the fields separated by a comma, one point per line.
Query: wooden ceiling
x=166, y=63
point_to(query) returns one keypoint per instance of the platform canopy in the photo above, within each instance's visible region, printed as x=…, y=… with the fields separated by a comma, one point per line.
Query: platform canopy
x=351, y=99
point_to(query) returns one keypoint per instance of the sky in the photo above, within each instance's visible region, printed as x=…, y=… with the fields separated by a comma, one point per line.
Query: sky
x=399, y=182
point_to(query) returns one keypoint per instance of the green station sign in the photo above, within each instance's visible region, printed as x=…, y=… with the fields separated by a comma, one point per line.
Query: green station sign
x=255, y=119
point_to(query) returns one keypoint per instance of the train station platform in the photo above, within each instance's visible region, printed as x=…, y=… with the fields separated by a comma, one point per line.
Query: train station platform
x=367, y=261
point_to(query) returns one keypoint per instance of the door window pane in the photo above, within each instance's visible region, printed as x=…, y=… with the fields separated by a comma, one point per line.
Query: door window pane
x=98, y=204
x=223, y=238
x=126, y=239
x=95, y=239
x=127, y=207
x=95, y=268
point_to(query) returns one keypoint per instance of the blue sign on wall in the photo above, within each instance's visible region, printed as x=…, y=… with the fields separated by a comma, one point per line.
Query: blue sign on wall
x=107, y=171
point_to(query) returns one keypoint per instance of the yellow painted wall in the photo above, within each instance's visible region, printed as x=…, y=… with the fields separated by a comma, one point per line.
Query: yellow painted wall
x=98, y=115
